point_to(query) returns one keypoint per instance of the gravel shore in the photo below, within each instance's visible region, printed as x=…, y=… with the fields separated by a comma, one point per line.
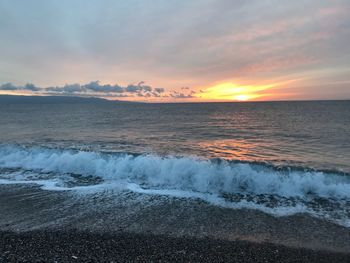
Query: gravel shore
x=75, y=246
x=59, y=226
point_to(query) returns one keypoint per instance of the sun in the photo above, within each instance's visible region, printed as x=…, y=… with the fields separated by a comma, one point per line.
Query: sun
x=241, y=97
x=228, y=91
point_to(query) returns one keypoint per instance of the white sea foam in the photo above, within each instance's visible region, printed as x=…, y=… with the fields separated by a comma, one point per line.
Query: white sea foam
x=186, y=177
x=187, y=173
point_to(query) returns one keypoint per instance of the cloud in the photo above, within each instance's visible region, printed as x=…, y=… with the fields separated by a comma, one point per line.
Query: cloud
x=159, y=90
x=31, y=87
x=8, y=86
x=68, y=88
x=94, y=88
x=181, y=95
x=140, y=89
x=132, y=88
x=11, y=87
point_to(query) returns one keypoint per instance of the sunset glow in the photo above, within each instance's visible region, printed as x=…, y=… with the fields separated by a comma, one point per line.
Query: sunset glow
x=119, y=51
x=242, y=97
x=233, y=92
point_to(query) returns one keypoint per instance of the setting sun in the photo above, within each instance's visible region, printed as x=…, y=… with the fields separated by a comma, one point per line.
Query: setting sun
x=233, y=92
x=241, y=97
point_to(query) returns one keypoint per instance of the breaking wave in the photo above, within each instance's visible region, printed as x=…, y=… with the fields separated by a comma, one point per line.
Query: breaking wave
x=220, y=182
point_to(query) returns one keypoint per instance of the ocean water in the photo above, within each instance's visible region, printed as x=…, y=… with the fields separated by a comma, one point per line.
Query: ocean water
x=281, y=158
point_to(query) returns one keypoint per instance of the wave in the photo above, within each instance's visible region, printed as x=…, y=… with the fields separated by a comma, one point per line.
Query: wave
x=218, y=182
x=185, y=173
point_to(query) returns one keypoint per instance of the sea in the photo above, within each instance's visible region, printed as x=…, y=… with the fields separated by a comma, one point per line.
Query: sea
x=281, y=158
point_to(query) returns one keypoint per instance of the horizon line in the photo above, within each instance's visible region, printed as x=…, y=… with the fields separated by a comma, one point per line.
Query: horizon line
x=171, y=102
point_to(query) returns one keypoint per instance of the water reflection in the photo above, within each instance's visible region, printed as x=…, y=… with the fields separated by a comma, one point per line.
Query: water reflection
x=267, y=151
x=308, y=134
x=235, y=149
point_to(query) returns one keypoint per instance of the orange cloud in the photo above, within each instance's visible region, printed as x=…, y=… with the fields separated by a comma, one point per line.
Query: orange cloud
x=230, y=91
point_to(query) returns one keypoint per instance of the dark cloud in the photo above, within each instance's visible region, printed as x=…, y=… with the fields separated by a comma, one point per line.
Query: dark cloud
x=107, y=90
x=68, y=88
x=141, y=87
x=95, y=86
x=31, y=87
x=132, y=88
x=10, y=86
x=159, y=90
x=147, y=88
x=179, y=95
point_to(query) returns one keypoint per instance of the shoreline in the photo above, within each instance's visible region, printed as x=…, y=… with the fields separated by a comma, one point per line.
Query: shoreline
x=40, y=225
x=77, y=246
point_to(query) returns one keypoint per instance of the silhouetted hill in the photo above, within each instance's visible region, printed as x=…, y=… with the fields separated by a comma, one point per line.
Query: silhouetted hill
x=10, y=99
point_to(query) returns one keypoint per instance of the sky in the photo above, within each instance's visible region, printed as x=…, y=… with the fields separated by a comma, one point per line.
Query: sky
x=176, y=50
